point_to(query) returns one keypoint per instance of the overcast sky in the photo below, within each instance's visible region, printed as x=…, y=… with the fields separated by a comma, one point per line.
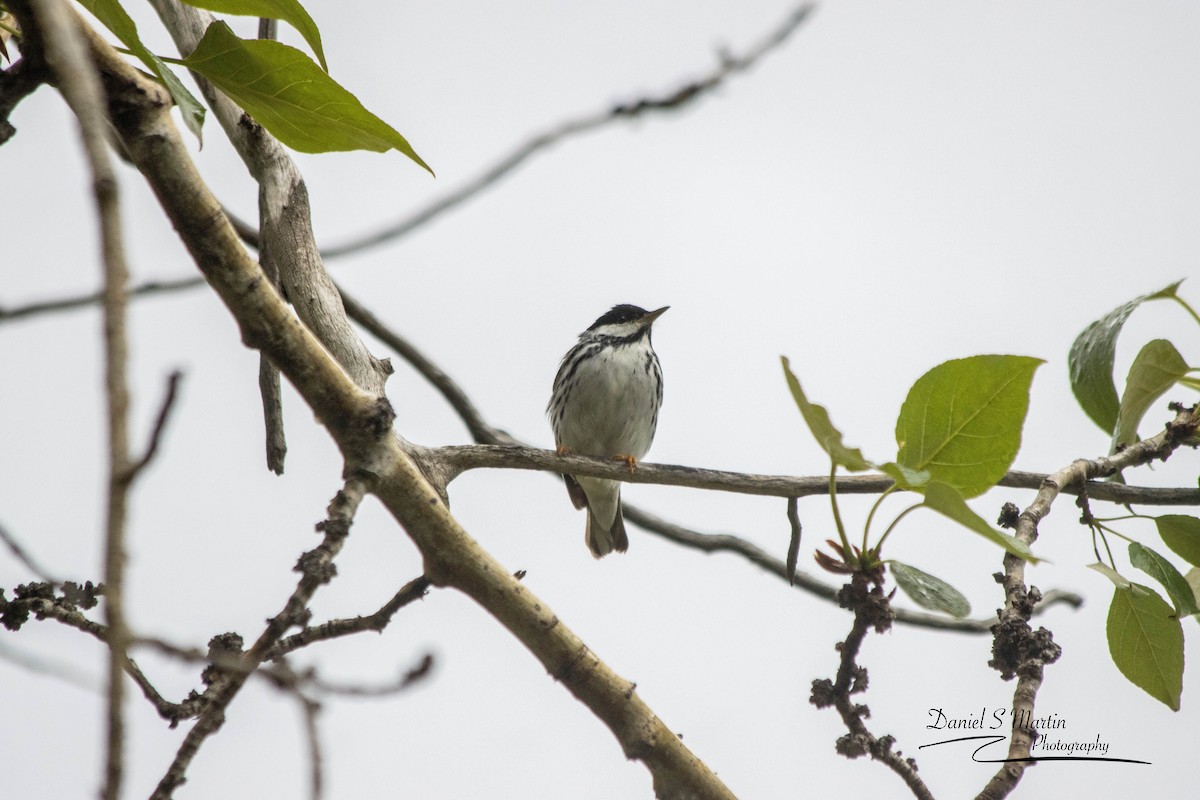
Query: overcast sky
x=901, y=184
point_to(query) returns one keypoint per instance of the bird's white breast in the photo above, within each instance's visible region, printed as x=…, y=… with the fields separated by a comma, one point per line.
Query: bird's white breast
x=613, y=404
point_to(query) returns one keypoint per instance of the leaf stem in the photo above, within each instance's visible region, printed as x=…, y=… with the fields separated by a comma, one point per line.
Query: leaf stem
x=1186, y=307
x=837, y=514
x=896, y=522
x=871, y=515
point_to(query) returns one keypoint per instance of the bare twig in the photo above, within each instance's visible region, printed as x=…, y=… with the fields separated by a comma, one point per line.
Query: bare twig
x=865, y=597
x=24, y=557
x=335, y=628
x=407, y=679
x=309, y=709
x=160, y=424
x=93, y=298
x=1017, y=650
x=672, y=100
x=316, y=568
x=269, y=386
x=46, y=606
x=65, y=51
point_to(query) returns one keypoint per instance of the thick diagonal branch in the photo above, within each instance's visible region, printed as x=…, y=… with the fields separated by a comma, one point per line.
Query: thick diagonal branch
x=360, y=423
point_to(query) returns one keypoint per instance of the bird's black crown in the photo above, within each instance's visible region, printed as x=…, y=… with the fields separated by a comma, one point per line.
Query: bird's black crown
x=618, y=314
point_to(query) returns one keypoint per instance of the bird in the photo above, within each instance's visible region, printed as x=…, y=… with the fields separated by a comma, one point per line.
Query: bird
x=605, y=403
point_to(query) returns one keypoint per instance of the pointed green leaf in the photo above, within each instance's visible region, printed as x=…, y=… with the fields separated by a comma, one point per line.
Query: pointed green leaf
x=947, y=501
x=289, y=11
x=1091, y=360
x=1157, y=367
x=1165, y=573
x=962, y=420
x=817, y=419
x=1181, y=533
x=113, y=16
x=1146, y=643
x=928, y=591
x=290, y=96
x=1119, y=580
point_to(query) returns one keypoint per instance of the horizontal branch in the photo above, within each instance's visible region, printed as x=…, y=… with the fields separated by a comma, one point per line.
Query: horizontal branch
x=450, y=462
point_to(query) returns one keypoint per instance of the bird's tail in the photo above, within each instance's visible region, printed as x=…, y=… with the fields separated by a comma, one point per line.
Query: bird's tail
x=602, y=541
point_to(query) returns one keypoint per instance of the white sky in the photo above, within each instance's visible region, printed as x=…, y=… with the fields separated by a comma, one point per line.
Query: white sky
x=900, y=185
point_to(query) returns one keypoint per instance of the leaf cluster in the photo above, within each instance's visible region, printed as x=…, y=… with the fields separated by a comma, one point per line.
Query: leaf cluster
x=279, y=86
x=957, y=434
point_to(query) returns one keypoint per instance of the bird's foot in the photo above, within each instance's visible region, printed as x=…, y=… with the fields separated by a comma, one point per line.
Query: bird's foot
x=630, y=461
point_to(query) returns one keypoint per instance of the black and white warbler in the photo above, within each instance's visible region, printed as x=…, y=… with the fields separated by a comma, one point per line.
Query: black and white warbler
x=605, y=403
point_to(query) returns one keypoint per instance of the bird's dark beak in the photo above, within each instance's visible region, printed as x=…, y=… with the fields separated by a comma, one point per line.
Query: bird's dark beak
x=648, y=320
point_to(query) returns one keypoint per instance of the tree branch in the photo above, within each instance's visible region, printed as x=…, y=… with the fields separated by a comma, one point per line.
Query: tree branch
x=671, y=100
x=50, y=28
x=1017, y=650
x=449, y=462
x=864, y=596
x=316, y=568
x=360, y=424
x=283, y=211
x=335, y=628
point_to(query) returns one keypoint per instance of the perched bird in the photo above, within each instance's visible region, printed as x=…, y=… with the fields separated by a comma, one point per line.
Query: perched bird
x=605, y=403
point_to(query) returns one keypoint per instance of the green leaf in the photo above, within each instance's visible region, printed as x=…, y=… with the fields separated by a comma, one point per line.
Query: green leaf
x=1119, y=580
x=1193, y=580
x=817, y=419
x=1165, y=573
x=1181, y=533
x=1146, y=643
x=1157, y=367
x=928, y=591
x=289, y=11
x=947, y=501
x=962, y=420
x=1091, y=360
x=290, y=96
x=910, y=479
x=113, y=16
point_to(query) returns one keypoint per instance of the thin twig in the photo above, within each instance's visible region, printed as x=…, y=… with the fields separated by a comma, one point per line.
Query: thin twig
x=24, y=557
x=67, y=55
x=335, y=628
x=671, y=100
x=94, y=298
x=46, y=608
x=269, y=385
x=865, y=597
x=407, y=679
x=793, y=552
x=316, y=568
x=160, y=424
